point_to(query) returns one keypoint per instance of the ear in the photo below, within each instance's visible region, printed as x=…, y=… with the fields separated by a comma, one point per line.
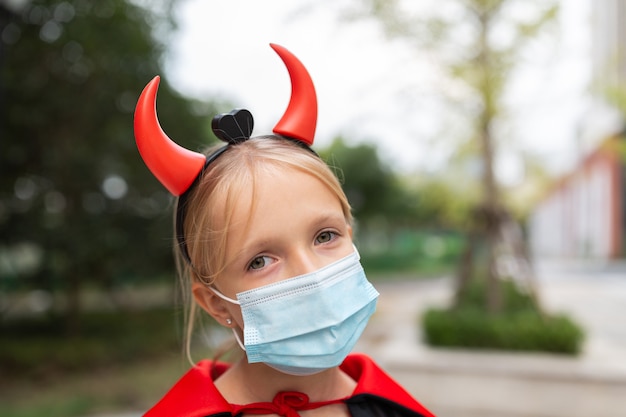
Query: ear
x=211, y=303
x=350, y=232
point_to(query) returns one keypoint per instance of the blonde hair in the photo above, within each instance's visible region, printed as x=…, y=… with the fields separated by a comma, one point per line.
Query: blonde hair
x=226, y=179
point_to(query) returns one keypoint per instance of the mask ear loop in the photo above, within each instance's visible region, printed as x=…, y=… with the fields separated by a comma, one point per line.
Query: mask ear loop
x=238, y=339
x=232, y=301
x=222, y=296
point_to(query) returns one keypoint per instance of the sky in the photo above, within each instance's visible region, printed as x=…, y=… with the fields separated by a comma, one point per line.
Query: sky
x=370, y=88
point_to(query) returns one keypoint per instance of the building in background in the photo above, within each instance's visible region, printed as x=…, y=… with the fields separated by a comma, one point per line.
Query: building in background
x=583, y=216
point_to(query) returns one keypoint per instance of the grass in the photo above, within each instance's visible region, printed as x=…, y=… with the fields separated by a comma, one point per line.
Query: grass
x=119, y=361
x=135, y=386
x=35, y=347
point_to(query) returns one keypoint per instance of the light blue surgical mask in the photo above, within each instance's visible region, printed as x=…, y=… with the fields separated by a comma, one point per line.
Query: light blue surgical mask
x=309, y=323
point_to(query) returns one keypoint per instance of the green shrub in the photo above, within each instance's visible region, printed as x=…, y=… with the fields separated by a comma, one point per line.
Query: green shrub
x=513, y=299
x=36, y=346
x=519, y=327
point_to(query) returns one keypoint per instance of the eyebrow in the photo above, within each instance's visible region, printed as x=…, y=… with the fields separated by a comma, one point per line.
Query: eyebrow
x=317, y=222
x=329, y=217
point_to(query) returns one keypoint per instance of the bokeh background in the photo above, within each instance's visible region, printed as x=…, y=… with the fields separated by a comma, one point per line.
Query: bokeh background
x=481, y=144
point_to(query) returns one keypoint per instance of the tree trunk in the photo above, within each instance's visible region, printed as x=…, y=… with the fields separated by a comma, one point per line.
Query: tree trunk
x=494, y=293
x=491, y=204
x=466, y=269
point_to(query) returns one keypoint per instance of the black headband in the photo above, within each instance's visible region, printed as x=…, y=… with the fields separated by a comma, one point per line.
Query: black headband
x=234, y=128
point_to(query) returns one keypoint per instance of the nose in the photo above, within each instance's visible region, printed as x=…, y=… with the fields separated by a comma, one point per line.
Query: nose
x=302, y=262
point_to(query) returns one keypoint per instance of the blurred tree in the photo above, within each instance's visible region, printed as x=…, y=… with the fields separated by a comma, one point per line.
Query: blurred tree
x=387, y=205
x=375, y=192
x=370, y=185
x=75, y=197
x=477, y=44
x=443, y=203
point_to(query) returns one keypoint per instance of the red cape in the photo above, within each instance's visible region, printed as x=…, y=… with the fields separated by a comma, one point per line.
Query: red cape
x=195, y=395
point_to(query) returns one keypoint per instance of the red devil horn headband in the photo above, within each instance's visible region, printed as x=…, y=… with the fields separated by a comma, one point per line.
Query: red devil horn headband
x=300, y=118
x=177, y=168
x=174, y=166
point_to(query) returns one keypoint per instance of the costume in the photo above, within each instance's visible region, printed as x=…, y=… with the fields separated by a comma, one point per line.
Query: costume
x=376, y=394
x=336, y=326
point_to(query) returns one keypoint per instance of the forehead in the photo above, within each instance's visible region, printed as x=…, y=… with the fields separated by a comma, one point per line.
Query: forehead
x=277, y=199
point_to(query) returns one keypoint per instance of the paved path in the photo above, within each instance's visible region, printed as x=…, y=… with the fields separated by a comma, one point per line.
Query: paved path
x=596, y=296
x=456, y=383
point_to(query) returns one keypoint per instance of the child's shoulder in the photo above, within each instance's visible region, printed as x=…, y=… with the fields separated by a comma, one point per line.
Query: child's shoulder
x=378, y=389
x=194, y=394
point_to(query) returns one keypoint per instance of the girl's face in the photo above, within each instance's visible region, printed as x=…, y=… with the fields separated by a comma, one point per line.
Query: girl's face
x=297, y=226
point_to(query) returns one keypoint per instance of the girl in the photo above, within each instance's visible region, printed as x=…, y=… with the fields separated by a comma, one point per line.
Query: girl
x=265, y=238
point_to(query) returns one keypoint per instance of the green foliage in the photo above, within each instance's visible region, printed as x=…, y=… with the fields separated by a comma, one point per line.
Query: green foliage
x=420, y=253
x=371, y=186
x=476, y=45
x=520, y=327
x=521, y=331
x=446, y=204
x=616, y=95
x=74, y=192
x=40, y=347
x=379, y=195
x=77, y=406
x=513, y=299
x=401, y=225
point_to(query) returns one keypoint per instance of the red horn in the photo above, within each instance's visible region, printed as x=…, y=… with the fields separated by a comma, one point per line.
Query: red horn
x=300, y=118
x=174, y=166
